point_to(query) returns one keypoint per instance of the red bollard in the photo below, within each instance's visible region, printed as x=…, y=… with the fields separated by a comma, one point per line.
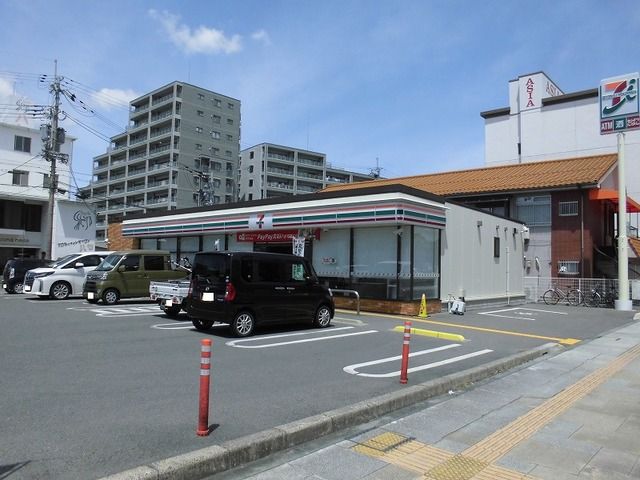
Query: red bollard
x=205, y=369
x=405, y=352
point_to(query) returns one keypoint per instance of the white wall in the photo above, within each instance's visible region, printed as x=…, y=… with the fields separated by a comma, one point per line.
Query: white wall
x=564, y=130
x=467, y=256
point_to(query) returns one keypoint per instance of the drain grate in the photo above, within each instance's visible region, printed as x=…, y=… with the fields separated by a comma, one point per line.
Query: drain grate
x=385, y=442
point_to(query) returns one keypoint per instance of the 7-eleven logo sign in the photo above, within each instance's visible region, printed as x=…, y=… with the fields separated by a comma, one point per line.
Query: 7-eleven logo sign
x=261, y=221
x=619, y=96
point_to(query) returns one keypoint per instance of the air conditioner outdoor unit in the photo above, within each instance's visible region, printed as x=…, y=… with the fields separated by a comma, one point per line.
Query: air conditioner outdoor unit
x=525, y=233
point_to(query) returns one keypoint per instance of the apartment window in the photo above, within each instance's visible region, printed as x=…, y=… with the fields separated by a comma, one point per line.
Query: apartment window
x=215, y=134
x=216, y=119
x=251, y=183
x=534, y=211
x=200, y=113
x=569, y=267
x=229, y=121
x=568, y=209
x=198, y=129
x=198, y=146
x=251, y=155
x=216, y=151
x=229, y=137
x=230, y=105
x=22, y=144
x=496, y=247
x=251, y=196
x=229, y=167
x=217, y=102
x=228, y=153
x=251, y=167
x=20, y=178
x=200, y=96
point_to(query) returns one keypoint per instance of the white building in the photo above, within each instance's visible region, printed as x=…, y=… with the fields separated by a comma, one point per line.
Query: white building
x=24, y=196
x=542, y=122
x=270, y=171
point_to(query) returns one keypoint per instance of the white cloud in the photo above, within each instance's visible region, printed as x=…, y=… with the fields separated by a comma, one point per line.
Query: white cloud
x=113, y=97
x=200, y=40
x=261, y=36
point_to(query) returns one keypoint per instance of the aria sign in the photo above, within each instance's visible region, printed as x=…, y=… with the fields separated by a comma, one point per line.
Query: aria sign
x=619, y=107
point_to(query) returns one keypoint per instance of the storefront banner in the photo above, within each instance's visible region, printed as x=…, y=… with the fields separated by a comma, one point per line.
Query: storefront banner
x=274, y=236
x=298, y=246
x=75, y=229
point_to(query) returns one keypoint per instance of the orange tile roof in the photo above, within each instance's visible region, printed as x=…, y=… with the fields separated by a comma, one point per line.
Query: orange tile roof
x=515, y=177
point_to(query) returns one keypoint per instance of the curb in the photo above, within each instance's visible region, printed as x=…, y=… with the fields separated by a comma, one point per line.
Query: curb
x=233, y=453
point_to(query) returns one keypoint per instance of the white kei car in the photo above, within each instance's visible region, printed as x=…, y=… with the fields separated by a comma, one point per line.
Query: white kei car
x=64, y=277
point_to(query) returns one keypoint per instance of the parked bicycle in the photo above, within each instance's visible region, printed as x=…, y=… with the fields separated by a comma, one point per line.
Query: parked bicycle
x=600, y=298
x=573, y=296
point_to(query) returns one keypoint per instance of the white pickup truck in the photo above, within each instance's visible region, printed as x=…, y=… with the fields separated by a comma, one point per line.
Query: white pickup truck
x=171, y=295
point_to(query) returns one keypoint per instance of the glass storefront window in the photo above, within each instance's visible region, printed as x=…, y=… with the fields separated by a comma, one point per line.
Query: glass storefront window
x=426, y=262
x=209, y=242
x=331, y=254
x=188, y=247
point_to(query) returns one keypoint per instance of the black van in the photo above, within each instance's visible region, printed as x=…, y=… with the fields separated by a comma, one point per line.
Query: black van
x=245, y=289
x=15, y=270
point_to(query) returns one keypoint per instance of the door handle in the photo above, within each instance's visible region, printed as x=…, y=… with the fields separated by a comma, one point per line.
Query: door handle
x=291, y=288
x=278, y=288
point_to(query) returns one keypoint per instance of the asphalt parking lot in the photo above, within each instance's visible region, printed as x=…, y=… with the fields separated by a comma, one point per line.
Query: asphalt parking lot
x=92, y=390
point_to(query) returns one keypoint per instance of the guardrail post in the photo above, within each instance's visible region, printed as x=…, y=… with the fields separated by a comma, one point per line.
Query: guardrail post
x=205, y=369
x=405, y=352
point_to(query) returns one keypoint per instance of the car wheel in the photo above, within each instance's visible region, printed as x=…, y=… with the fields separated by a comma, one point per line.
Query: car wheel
x=60, y=291
x=111, y=296
x=323, y=317
x=18, y=288
x=202, y=325
x=243, y=325
x=172, y=311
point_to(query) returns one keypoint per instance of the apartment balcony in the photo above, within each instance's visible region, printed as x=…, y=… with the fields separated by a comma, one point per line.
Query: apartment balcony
x=334, y=179
x=160, y=132
x=305, y=188
x=142, y=107
x=162, y=99
x=117, y=176
x=137, y=140
x=157, y=117
x=101, y=179
x=135, y=187
x=117, y=206
x=135, y=156
x=160, y=166
x=158, y=200
x=310, y=176
x=137, y=126
x=154, y=151
x=280, y=171
x=280, y=185
x=279, y=157
x=116, y=192
x=102, y=165
x=308, y=161
x=134, y=172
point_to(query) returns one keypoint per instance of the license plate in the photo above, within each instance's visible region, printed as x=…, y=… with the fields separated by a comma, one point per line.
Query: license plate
x=207, y=297
x=26, y=288
x=90, y=295
x=168, y=303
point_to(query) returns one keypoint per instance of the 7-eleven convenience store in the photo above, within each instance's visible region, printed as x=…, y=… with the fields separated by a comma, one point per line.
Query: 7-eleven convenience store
x=391, y=243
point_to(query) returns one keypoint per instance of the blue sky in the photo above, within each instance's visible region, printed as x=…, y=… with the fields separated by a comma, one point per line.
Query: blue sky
x=403, y=82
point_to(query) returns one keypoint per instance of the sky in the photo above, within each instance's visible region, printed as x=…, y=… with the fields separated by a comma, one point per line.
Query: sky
x=394, y=84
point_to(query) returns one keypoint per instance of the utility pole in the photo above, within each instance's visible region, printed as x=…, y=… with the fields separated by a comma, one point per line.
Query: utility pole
x=51, y=154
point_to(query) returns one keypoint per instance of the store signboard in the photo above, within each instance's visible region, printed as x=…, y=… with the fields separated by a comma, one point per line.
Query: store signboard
x=75, y=229
x=273, y=236
x=619, y=104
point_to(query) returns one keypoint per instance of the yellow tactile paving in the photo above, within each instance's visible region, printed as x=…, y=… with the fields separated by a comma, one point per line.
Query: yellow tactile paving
x=478, y=461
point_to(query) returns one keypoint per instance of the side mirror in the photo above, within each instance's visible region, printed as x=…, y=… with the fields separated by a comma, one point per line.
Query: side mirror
x=79, y=265
x=122, y=268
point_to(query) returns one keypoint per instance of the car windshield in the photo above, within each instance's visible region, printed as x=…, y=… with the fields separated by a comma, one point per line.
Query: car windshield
x=62, y=260
x=108, y=263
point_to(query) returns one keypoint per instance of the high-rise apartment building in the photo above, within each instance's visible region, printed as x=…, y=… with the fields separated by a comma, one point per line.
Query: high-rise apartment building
x=268, y=171
x=180, y=150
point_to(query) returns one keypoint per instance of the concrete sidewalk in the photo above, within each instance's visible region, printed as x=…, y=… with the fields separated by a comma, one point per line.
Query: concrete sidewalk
x=574, y=415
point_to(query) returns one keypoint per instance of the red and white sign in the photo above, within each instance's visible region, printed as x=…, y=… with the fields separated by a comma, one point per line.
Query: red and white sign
x=272, y=236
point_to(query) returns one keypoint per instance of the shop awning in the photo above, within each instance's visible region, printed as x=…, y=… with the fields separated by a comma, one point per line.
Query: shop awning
x=612, y=196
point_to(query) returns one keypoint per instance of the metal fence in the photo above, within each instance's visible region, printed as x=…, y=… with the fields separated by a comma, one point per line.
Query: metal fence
x=534, y=287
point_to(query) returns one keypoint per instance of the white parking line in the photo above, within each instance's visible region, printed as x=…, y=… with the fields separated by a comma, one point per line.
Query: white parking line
x=235, y=343
x=522, y=313
x=120, y=311
x=352, y=369
x=174, y=326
